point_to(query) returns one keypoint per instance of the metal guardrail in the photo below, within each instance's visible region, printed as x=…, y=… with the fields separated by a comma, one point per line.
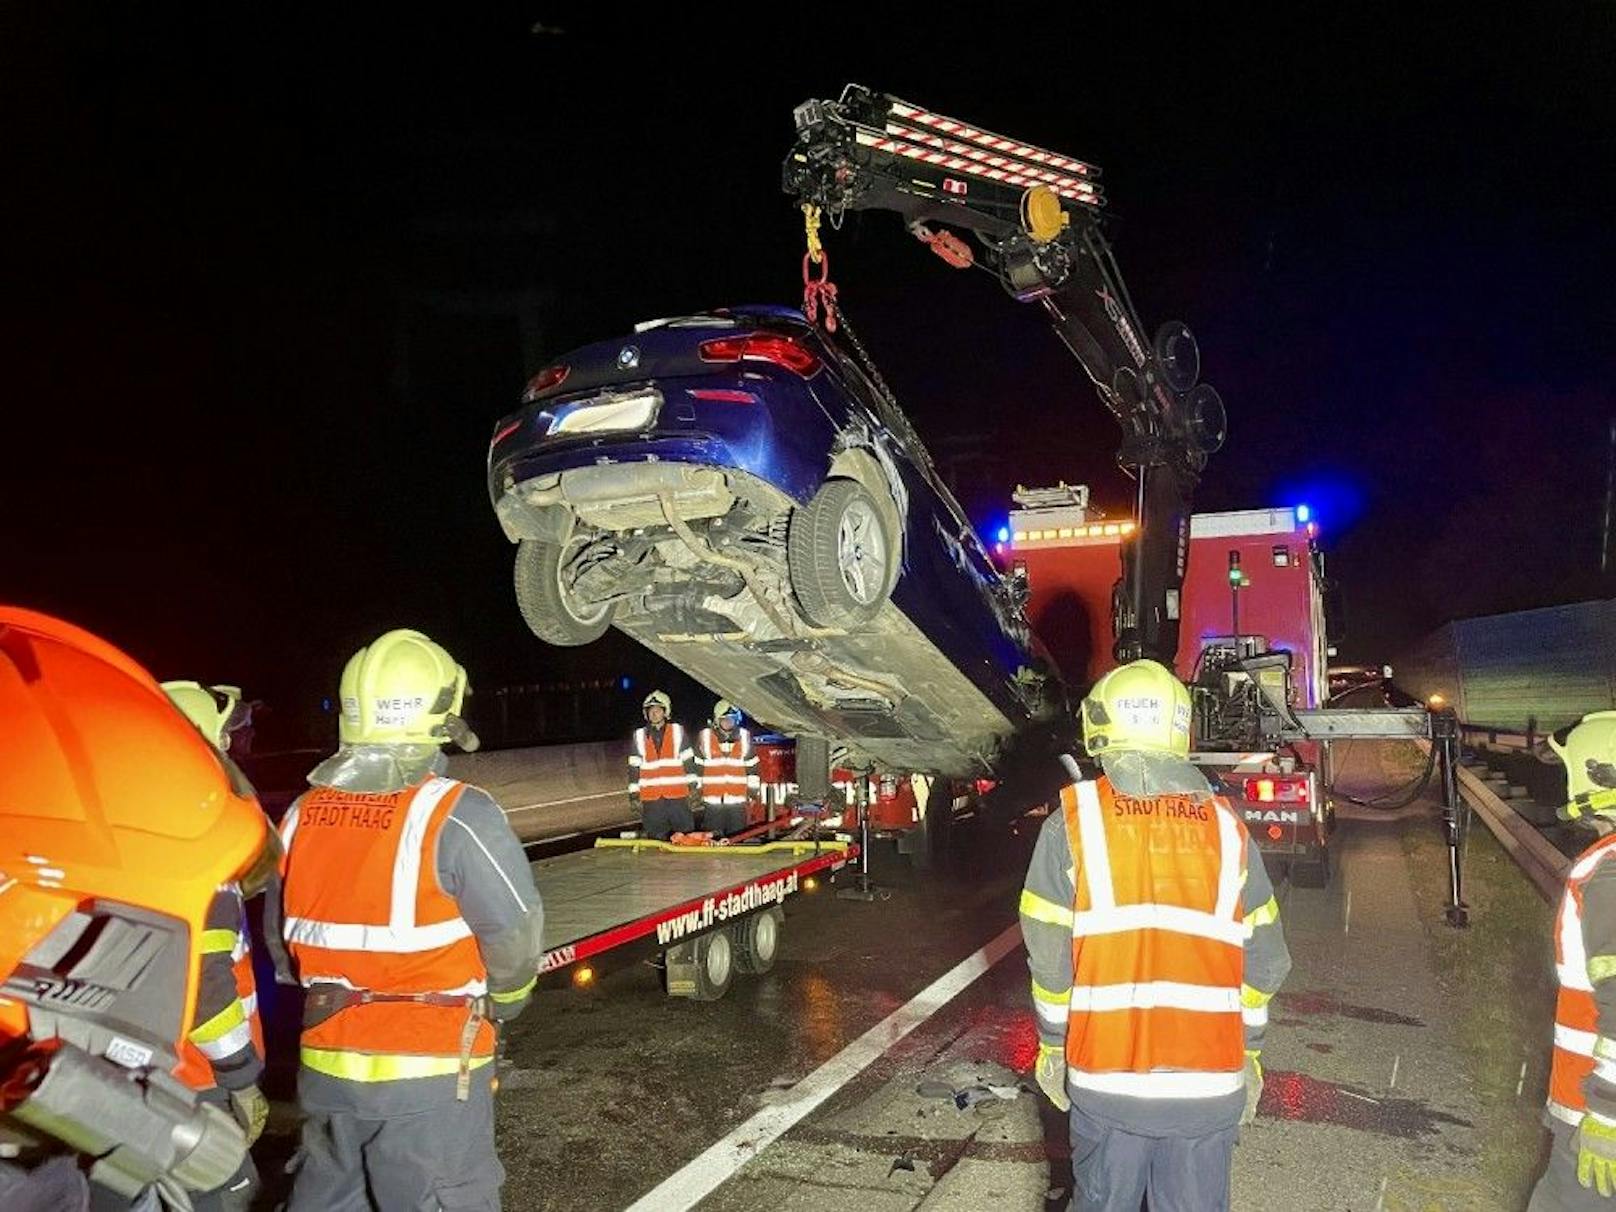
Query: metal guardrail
x=1538, y=857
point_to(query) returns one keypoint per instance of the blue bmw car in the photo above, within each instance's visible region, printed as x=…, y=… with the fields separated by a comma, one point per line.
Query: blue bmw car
x=734, y=491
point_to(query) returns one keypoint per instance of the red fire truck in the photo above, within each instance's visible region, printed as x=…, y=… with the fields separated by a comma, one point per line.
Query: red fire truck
x=1251, y=628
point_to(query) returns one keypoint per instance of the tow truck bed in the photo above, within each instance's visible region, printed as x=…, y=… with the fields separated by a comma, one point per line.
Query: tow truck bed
x=630, y=890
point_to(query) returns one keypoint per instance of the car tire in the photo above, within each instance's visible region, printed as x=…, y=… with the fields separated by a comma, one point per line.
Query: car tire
x=543, y=602
x=757, y=942
x=842, y=555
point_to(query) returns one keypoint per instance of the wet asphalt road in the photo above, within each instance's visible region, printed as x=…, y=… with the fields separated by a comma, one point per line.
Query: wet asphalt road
x=1406, y=1061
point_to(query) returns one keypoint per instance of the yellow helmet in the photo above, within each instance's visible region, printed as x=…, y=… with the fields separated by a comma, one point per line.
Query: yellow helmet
x=1589, y=754
x=1138, y=707
x=723, y=708
x=210, y=708
x=403, y=689
x=657, y=698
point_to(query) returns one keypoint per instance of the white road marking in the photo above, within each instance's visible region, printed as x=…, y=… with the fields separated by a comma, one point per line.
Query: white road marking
x=1380, y=1202
x=1346, y=921
x=577, y=799
x=1396, y=1061
x=704, y=1173
x=1520, y=1083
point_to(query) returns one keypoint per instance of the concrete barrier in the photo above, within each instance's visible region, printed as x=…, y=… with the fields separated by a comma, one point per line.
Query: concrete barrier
x=554, y=790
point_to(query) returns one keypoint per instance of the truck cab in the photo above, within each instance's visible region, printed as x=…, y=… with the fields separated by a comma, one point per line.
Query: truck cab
x=1251, y=627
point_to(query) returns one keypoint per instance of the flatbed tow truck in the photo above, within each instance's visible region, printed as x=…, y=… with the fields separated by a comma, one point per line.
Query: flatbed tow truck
x=712, y=910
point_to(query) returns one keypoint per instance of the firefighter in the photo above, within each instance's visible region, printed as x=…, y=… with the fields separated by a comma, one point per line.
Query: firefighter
x=414, y=927
x=1581, y=1112
x=1153, y=937
x=727, y=770
x=226, y=1027
x=662, y=771
x=114, y=816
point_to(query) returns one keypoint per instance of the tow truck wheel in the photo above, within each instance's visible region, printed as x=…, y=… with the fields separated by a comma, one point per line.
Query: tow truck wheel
x=757, y=942
x=546, y=605
x=715, y=965
x=842, y=556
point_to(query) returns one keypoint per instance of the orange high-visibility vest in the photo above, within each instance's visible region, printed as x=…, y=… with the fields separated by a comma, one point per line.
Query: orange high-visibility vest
x=727, y=769
x=659, y=772
x=1576, y=1016
x=1157, y=944
x=364, y=909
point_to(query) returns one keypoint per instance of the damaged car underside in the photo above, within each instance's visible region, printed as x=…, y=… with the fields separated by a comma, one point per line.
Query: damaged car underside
x=748, y=501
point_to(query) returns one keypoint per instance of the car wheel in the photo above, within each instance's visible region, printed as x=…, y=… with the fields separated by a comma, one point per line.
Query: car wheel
x=842, y=555
x=545, y=604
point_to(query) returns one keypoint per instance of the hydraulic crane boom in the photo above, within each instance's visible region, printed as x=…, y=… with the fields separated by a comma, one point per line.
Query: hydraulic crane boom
x=1038, y=218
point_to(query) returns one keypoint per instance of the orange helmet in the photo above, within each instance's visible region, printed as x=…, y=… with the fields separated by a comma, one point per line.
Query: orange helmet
x=107, y=794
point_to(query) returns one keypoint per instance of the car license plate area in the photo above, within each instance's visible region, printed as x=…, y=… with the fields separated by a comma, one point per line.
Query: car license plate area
x=607, y=414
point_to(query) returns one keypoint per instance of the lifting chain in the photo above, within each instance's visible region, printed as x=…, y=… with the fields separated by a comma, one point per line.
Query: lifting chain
x=817, y=292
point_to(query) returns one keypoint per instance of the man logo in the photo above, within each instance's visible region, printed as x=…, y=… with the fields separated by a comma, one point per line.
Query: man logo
x=628, y=357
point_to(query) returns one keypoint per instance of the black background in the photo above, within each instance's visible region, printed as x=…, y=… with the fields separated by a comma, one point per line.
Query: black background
x=274, y=278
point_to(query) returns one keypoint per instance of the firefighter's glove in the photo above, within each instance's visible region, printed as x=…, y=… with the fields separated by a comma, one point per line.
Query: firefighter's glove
x=1051, y=1074
x=251, y=1110
x=1254, y=1084
x=1596, y=1154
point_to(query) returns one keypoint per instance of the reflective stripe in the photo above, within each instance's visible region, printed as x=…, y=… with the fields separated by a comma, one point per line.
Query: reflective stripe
x=1231, y=872
x=1052, y=1008
x=407, y=857
x=225, y=1034
x=1150, y=995
x=1564, y=1113
x=1572, y=1040
x=1158, y=917
x=672, y=763
x=635, y=759
x=1096, y=855
x=383, y=1067
x=1263, y=915
x=227, y=1045
x=249, y=1004
x=289, y=825
x=1605, y=1071
x=1252, y=997
x=1165, y=1084
x=1052, y=1015
x=1573, y=969
x=1254, y=1016
x=217, y=942
x=723, y=801
x=347, y=936
x=679, y=781
x=515, y=995
x=475, y=987
x=1040, y=909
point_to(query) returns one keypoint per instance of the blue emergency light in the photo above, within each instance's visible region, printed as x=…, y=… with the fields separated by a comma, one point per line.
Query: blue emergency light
x=1303, y=514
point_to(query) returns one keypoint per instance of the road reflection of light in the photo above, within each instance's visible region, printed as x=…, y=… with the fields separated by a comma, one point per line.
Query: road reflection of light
x=1009, y=1033
x=820, y=1023
x=1297, y=1096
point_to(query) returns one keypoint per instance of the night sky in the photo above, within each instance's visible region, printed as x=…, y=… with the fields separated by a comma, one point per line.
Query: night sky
x=274, y=280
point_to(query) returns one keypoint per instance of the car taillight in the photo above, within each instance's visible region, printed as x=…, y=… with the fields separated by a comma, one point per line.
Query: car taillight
x=720, y=396
x=1279, y=789
x=762, y=347
x=547, y=379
